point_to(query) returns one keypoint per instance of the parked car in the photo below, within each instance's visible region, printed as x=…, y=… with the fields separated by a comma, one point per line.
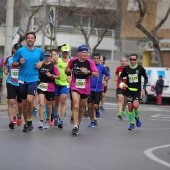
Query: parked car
x=153, y=73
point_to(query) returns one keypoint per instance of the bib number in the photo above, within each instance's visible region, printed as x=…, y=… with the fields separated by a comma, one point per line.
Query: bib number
x=14, y=75
x=43, y=86
x=133, y=78
x=81, y=83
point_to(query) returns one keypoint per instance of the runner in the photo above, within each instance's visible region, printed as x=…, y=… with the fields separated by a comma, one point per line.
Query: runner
x=133, y=72
x=54, y=56
x=96, y=90
x=120, y=93
x=30, y=59
x=46, y=89
x=13, y=92
x=61, y=87
x=5, y=70
x=82, y=69
x=105, y=83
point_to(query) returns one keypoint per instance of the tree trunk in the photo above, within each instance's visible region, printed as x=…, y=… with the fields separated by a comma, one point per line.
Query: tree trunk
x=158, y=55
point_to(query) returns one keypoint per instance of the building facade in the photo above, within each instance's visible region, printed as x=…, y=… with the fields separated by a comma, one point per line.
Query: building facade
x=136, y=41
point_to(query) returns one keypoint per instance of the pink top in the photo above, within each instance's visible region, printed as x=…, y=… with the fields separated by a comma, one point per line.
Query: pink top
x=81, y=81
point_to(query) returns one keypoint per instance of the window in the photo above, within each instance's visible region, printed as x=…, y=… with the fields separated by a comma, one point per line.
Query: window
x=34, y=23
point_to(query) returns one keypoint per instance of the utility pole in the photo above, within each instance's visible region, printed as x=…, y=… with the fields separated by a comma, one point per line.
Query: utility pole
x=8, y=43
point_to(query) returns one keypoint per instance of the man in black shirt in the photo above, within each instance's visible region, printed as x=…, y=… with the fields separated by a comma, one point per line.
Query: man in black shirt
x=133, y=72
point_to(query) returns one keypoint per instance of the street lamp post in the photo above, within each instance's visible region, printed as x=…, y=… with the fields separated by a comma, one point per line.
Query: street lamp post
x=8, y=42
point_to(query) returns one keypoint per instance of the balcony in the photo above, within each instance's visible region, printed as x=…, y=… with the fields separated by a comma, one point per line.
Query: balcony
x=74, y=30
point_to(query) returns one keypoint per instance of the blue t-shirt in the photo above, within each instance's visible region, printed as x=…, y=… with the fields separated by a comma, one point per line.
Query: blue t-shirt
x=28, y=72
x=13, y=73
x=96, y=82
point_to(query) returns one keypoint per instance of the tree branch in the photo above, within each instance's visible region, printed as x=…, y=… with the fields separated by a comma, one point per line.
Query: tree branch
x=154, y=30
x=142, y=12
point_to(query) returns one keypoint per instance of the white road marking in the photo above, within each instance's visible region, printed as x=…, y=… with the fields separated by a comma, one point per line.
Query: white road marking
x=163, y=116
x=160, y=119
x=149, y=154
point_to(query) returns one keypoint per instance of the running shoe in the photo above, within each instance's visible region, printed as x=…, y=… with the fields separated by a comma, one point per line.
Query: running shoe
x=14, y=120
x=138, y=122
x=60, y=125
x=52, y=120
x=71, y=119
x=11, y=125
x=41, y=125
x=35, y=111
x=123, y=113
x=98, y=114
x=95, y=122
x=86, y=113
x=19, y=121
x=52, y=123
x=25, y=129
x=92, y=124
x=29, y=126
x=56, y=119
x=102, y=108
x=46, y=126
x=131, y=127
x=120, y=116
x=75, y=130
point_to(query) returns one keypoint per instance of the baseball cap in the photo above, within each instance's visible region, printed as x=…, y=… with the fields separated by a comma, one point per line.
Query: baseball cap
x=17, y=46
x=47, y=53
x=65, y=48
x=66, y=45
x=82, y=48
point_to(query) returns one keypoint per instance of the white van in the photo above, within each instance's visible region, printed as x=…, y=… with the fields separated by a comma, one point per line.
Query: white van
x=153, y=73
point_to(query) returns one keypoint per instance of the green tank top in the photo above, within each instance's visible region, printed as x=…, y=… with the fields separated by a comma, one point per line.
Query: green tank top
x=63, y=77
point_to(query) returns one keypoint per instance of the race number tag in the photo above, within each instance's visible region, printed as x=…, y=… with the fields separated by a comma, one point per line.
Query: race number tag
x=43, y=86
x=14, y=73
x=81, y=83
x=133, y=78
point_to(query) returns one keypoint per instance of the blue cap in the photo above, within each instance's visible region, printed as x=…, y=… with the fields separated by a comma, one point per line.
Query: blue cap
x=82, y=48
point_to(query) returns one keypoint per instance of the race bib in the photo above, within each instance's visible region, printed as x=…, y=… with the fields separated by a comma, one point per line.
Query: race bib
x=14, y=73
x=133, y=78
x=43, y=86
x=81, y=83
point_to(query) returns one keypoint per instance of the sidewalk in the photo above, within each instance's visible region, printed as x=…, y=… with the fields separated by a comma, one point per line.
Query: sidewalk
x=110, y=94
x=3, y=107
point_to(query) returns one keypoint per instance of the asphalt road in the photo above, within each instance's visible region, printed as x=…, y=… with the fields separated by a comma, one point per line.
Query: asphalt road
x=109, y=146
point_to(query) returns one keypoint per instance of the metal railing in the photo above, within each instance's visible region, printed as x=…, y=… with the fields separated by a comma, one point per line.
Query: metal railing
x=74, y=30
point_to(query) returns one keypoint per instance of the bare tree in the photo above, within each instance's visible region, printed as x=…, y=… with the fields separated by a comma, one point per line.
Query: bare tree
x=98, y=14
x=29, y=12
x=153, y=34
x=21, y=8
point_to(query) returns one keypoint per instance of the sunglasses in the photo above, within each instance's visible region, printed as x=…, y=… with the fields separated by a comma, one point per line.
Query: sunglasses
x=133, y=59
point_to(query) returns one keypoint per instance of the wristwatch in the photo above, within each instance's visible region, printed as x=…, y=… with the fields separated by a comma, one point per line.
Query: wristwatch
x=89, y=72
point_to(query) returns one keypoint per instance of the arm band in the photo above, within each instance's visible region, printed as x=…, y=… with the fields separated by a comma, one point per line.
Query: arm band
x=68, y=73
